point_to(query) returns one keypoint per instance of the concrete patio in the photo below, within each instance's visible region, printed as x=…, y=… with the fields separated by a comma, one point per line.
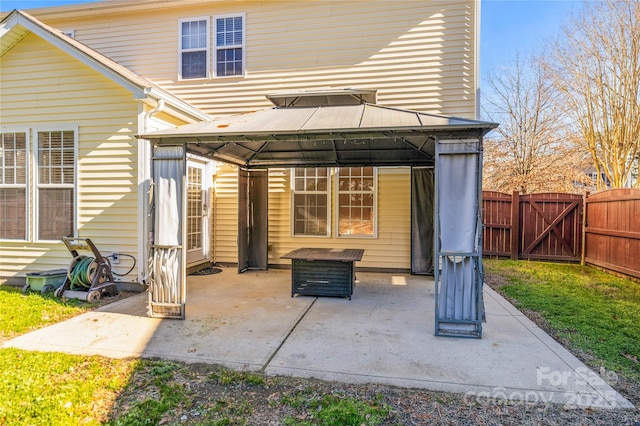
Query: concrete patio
x=385, y=334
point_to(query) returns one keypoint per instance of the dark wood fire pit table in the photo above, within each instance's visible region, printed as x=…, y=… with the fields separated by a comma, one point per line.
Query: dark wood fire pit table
x=323, y=271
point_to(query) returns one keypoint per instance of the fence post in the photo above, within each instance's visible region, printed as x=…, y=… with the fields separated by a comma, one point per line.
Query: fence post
x=515, y=225
x=584, y=228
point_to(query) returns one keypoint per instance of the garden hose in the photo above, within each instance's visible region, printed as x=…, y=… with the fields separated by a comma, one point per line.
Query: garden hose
x=82, y=273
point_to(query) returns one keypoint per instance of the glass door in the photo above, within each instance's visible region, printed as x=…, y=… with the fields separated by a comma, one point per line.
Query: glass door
x=197, y=214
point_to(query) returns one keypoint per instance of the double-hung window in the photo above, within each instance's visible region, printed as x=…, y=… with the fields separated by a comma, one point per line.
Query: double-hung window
x=14, y=171
x=55, y=185
x=229, y=45
x=194, y=48
x=310, y=201
x=356, y=205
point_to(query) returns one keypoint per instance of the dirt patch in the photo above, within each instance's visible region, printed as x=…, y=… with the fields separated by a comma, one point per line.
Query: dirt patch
x=210, y=399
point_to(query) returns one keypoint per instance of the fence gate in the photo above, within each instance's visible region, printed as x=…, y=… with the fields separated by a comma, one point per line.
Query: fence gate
x=551, y=226
x=546, y=226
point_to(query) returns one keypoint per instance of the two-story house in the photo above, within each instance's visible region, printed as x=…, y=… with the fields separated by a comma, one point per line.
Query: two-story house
x=339, y=107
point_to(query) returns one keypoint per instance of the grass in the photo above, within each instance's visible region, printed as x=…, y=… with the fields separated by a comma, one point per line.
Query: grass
x=21, y=313
x=228, y=377
x=593, y=311
x=41, y=388
x=160, y=394
x=334, y=410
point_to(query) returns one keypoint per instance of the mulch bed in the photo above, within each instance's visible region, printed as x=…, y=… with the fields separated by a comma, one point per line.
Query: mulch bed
x=211, y=270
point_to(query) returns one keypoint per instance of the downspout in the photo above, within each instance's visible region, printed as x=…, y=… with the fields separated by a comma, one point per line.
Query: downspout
x=158, y=108
x=477, y=69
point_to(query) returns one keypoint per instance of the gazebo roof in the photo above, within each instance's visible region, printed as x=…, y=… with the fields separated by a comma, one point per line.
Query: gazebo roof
x=333, y=128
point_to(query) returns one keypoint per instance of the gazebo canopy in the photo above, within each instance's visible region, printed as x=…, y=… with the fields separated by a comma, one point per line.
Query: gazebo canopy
x=338, y=127
x=343, y=128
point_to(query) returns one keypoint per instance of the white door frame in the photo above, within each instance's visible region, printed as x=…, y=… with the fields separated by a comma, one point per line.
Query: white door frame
x=201, y=253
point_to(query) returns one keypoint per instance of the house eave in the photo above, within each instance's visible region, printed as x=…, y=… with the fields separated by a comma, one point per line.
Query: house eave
x=112, y=7
x=18, y=25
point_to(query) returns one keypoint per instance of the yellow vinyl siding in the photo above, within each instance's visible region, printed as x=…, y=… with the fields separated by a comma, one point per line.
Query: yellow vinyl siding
x=418, y=54
x=43, y=88
x=391, y=248
x=225, y=214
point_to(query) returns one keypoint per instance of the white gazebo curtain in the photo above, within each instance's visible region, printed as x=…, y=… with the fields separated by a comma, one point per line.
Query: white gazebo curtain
x=458, y=232
x=167, y=263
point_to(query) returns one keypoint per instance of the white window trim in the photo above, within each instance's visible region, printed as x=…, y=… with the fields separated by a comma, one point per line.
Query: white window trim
x=36, y=185
x=293, y=192
x=375, y=208
x=243, y=45
x=207, y=48
x=26, y=186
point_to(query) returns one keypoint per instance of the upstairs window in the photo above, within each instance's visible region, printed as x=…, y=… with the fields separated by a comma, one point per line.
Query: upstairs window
x=194, y=48
x=56, y=184
x=13, y=186
x=229, y=45
x=310, y=200
x=356, y=206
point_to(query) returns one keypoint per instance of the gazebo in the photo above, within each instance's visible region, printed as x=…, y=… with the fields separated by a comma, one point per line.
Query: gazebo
x=332, y=128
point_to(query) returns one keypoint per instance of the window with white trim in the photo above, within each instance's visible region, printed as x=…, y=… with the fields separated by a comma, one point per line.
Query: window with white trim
x=310, y=200
x=55, y=185
x=356, y=201
x=14, y=165
x=194, y=48
x=229, y=45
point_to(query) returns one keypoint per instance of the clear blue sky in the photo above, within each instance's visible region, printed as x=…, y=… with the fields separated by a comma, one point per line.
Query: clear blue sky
x=508, y=26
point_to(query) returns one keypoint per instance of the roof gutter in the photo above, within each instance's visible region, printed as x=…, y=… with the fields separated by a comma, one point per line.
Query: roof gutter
x=180, y=108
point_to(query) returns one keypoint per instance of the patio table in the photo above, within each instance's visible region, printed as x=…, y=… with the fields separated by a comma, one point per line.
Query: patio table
x=323, y=271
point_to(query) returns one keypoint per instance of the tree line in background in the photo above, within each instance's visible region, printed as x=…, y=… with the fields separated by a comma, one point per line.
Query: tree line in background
x=572, y=114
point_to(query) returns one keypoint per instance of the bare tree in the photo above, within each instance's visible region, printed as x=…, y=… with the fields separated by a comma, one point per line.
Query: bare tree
x=596, y=70
x=530, y=150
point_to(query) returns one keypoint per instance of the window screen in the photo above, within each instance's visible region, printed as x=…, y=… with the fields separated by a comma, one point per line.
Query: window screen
x=193, y=48
x=56, y=182
x=356, y=201
x=229, y=45
x=310, y=201
x=13, y=186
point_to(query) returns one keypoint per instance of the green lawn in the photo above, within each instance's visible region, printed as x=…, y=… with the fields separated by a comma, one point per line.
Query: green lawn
x=20, y=313
x=40, y=388
x=596, y=312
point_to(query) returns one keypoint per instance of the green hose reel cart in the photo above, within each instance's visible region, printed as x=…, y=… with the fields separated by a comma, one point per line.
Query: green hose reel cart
x=88, y=277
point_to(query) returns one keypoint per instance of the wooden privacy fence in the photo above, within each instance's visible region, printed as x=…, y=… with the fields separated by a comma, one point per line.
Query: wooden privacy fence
x=549, y=226
x=546, y=226
x=612, y=231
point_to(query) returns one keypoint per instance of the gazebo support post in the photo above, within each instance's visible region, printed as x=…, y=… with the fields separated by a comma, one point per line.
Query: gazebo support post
x=167, y=272
x=458, y=272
